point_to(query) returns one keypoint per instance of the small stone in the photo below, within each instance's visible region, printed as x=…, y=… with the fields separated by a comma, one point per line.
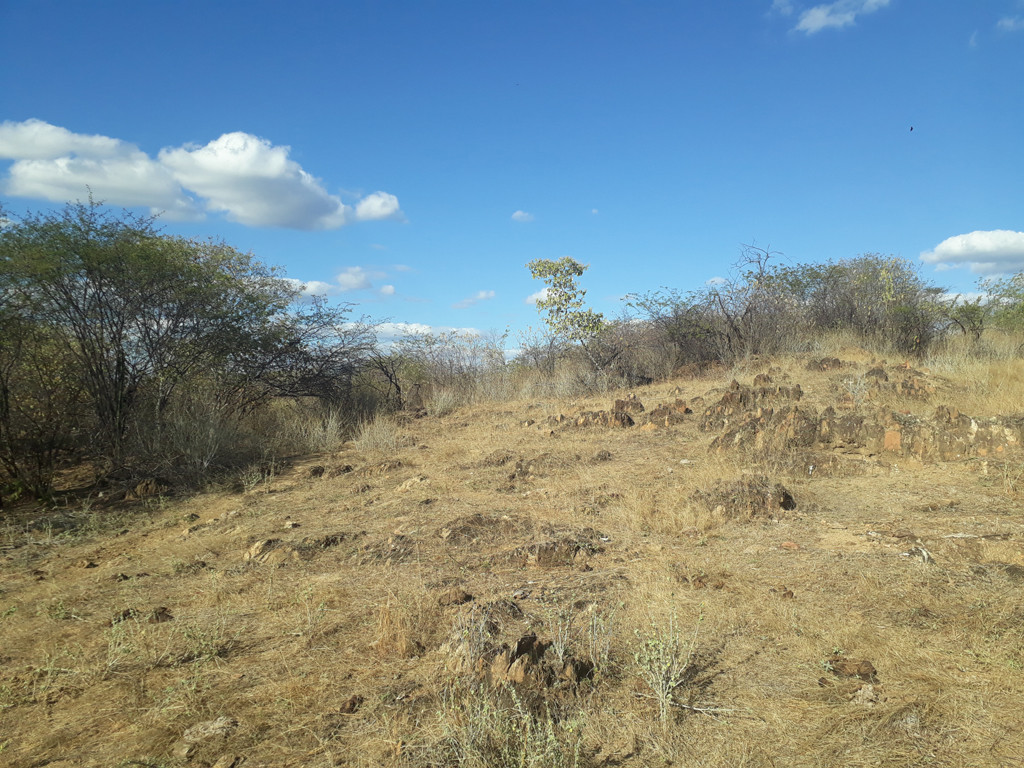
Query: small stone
x=351, y=705
x=790, y=545
x=160, y=615
x=863, y=669
x=454, y=596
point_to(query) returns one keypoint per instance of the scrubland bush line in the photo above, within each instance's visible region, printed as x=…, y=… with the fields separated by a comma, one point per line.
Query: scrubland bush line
x=150, y=355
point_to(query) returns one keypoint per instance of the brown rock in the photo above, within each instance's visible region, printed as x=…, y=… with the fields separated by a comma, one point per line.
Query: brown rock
x=893, y=440
x=351, y=705
x=628, y=405
x=454, y=596
x=160, y=615
x=863, y=669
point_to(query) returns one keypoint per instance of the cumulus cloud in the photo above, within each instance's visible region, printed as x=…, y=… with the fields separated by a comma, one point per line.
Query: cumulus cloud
x=836, y=15
x=395, y=331
x=716, y=281
x=474, y=299
x=38, y=140
x=1011, y=24
x=53, y=163
x=387, y=290
x=245, y=177
x=378, y=206
x=522, y=217
x=533, y=298
x=984, y=252
x=354, y=279
x=309, y=288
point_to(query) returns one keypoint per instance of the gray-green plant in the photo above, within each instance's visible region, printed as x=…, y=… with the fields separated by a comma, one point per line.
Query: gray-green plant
x=662, y=658
x=496, y=729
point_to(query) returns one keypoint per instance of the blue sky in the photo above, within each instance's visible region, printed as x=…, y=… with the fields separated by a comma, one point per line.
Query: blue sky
x=411, y=157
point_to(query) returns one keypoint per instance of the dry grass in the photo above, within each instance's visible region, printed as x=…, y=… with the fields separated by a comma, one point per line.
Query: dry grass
x=673, y=624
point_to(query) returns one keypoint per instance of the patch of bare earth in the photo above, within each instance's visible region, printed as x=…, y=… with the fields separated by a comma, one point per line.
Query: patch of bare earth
x=819, y=563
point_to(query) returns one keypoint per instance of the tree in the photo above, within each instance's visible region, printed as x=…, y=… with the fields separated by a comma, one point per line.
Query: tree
x=562, y=303
x=136, y=321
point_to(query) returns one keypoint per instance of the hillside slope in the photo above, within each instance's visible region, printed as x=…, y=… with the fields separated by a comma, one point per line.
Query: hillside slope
x=818, y=563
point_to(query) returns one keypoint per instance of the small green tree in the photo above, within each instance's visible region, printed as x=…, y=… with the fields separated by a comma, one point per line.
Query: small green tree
x=1005, y=300
x=562, y=305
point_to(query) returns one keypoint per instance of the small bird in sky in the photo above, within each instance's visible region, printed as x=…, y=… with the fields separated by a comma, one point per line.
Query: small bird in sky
x=911, y=129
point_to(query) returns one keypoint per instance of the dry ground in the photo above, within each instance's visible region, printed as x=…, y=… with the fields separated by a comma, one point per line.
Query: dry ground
x=385, y=621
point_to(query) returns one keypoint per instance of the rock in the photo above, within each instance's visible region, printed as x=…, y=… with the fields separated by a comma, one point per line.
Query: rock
x=160, y=615
x=862, y=669
x=317, y=471
x=878, y=374
x=749, y=497
x=628, y=405
x=603, y=455
x=413, y=482
x=87, y=564
x=202, y=733
x=351, y=705
x=454, y=596
x=921, y=554
x=151, y=486
x=865, y=696
x=270, y=552
x=125, y=615
x=825, y=364
x=499, y=458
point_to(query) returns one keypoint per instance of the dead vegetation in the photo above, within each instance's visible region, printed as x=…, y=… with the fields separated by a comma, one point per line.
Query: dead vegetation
x=813, y=561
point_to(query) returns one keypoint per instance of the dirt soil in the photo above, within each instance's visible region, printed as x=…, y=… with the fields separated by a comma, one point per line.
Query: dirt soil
x=491, y=592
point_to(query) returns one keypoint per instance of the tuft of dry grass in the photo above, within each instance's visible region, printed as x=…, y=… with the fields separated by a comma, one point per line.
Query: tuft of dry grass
x=379, y=435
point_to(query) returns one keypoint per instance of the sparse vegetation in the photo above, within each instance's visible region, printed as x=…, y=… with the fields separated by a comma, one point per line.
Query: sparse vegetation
x=809, y=478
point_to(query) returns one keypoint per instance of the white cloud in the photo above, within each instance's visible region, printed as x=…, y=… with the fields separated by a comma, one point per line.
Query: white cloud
x=402, y=268
x=387, y=290
x=354, y=279
x=784, y=7
x=716, y=281
x=309, y=288
x=973, y=41
x=243, y=176
x=533, y=298
x=985, y=252
x=594, y=211
x=377, y=207
x=475, y=298
x=522, y=217
x=55, y=164
x=255, y=183
x=1011, y=23
x=395, y=331
x=38, y=140
x=837, y=14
